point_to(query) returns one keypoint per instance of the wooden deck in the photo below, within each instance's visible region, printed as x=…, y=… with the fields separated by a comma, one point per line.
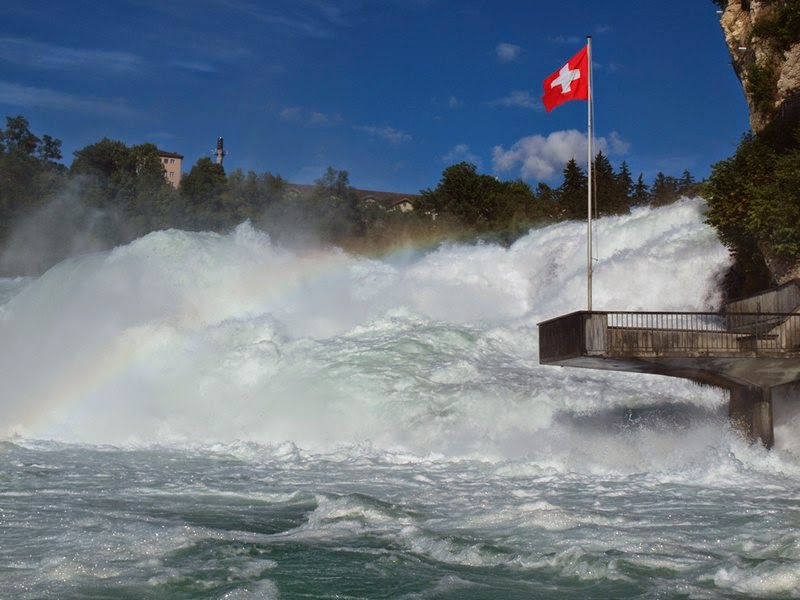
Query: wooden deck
x=748, y=353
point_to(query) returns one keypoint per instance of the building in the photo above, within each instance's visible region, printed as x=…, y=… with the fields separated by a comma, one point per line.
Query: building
x=219, y=153
x=172, y=162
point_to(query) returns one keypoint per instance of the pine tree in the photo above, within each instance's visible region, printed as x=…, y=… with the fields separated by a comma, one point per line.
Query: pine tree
x=572, y=192
x=625, y=183
x=686, y=184
x=641, y=193
x=609, y=198
x=664, y=190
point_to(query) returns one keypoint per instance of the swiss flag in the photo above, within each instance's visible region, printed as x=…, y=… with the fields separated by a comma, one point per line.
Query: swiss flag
x=570, y=82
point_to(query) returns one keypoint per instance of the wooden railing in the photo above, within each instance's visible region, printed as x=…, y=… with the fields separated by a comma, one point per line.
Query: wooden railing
x=629, y=334
x=704, y=333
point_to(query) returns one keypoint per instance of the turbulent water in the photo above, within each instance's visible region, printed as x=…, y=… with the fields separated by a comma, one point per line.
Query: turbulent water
x=205, y=416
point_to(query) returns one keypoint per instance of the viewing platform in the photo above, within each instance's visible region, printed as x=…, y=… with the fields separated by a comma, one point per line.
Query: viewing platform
x=751, y=348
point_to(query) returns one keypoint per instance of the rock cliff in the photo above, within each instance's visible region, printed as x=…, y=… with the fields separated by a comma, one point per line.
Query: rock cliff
x=763, y=37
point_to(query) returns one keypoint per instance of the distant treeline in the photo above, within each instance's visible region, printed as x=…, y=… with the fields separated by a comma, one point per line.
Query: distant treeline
x=113, y=193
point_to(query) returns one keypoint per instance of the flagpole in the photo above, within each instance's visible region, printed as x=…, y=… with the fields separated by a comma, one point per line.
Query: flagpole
x=589, y=176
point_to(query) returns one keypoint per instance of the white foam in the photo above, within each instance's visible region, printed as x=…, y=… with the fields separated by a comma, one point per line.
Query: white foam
x=198, y=338
x=765, y=580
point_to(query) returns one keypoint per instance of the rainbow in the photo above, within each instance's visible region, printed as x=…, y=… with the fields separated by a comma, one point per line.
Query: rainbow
x=69, y=388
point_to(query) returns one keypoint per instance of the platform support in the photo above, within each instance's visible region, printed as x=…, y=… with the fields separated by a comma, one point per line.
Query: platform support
x=750, y=411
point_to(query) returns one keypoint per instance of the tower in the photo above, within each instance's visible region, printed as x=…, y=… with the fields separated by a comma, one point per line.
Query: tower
x=219, y=153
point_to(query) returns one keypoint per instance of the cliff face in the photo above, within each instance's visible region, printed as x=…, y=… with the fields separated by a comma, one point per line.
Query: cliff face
x=762, y=38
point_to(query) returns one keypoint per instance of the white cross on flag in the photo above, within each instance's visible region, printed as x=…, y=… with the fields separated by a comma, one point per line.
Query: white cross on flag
x=570, y=82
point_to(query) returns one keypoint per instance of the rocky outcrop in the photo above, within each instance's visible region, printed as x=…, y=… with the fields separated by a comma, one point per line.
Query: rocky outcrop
x=765, y=52
x=781, y=269
x=763, y=38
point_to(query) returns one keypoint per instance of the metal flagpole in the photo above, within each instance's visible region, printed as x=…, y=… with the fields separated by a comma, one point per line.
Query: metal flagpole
x=589, y=174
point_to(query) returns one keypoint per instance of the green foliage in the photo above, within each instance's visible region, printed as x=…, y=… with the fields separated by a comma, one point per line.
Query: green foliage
x=572, y=195
x=252, y=194
x=610, y=194
x=760, y=81
x=29, y=171
x=203, y=192
x=774, y=217
x=730, y=188
x=49, y=150
x=687, y=186
x=17, y=138
x=664, y=190
x=463, y=194
x=128, y=184
x=481, y=203
x=624, y=184
x=334, y=206
x=115, y=193
x=640, y=194
x=754, y=201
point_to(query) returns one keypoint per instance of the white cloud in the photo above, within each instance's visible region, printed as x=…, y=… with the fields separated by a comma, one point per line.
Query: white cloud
x=507, y=52
x=20, y=95
x=318, y=118
x=542, y=158
x=291, y=113
x=461, y=153
x=519, y=99
x=567, y=40
x=307, y=117
x=390, y=134
x=308, y=19
x=36, y=55
x=616, y=146
x=196, y=66
x=51, y=57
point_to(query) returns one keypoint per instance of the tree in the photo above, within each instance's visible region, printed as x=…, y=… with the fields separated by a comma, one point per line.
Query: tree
x=336, y=206
x=463, y=194
x=774, y=211
x=202, y=190
x=255, y=195
x=625, y=183
x=608, y=196
x=110, y=159
x=154, y=203
x=467, y=202
x=572, y=194
x=107, y=170
x=729, y=193
x=544, y=207
x=664, y=190
x=49, y=150
x=17, y=138
x=29, y=171
x=513, y=210
x=641, y=192
x=686, y=184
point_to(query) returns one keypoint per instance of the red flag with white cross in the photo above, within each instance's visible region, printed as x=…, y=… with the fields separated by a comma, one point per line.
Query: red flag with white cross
x=570, y=82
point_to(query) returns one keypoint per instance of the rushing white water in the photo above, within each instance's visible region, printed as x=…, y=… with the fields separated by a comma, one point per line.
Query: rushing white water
x=201, y=337
x=199, y=415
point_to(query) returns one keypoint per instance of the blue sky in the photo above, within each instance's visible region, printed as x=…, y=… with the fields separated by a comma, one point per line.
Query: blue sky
x=393, y=91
